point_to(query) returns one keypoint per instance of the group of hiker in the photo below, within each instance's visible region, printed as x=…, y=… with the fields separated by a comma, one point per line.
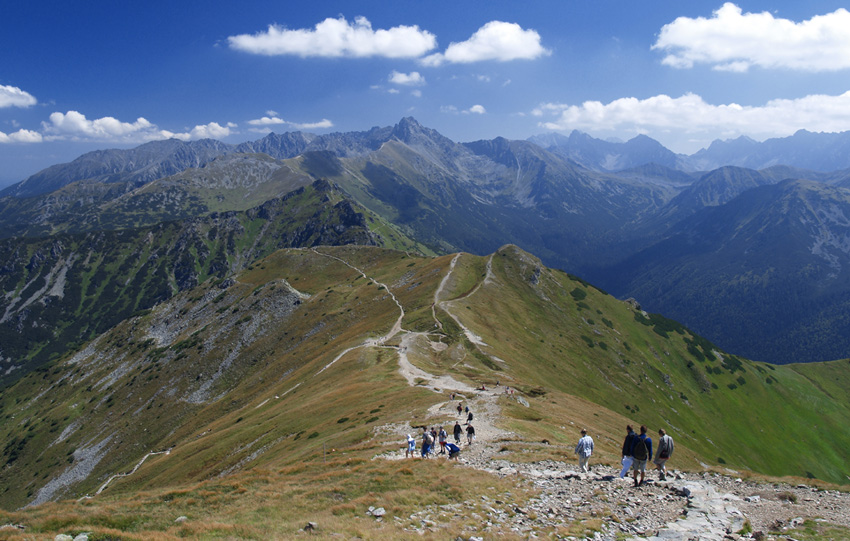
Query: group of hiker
x=432, y=436
x=637, y=450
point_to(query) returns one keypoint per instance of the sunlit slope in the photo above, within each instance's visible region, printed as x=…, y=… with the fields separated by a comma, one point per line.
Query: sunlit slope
x=557, y=333
x=298, y=357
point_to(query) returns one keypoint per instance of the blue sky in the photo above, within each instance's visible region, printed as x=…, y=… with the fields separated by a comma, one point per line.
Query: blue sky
x=81, y=75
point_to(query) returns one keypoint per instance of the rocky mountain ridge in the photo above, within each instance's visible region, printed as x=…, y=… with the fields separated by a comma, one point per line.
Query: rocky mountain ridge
x=475, y=197
x=62, y=291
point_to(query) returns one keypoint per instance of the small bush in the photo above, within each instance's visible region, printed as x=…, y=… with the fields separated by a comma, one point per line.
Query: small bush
x=578, y=294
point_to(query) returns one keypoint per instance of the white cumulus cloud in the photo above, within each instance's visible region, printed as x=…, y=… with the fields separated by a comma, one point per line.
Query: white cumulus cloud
x=414, y=78
x=74, y=126
x=275, y=120
x=213, y=130
x=21, y=136
x=267, y=121
x=496, y=40
x=338, y=38
x=12, y=96
x=322, y=124
x=691, y=115
x=734, y=41
x=476, y=110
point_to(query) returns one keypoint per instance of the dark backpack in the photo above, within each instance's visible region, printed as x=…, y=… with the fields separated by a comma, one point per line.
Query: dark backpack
x=640, y=450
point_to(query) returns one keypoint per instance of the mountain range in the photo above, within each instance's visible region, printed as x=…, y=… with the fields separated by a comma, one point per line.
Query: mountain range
x=632, y=231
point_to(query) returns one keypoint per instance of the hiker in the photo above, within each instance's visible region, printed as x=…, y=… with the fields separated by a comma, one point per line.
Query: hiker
x=427, y=441
x=470, y=434
x=459, y=409
x=469, y=417
x=454, y=450
x=665, y=451
x=443, y=435
x=433, y=440
x=641, y=452
x=627, y=451
x=411, y=447
x=584, y=449
x=457, y=432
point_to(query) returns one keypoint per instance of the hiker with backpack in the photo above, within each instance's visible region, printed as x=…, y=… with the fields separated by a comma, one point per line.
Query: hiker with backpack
x=584, y=449
x=627, y=451
x=468, y=416
x=427, y=442
x=641, y=452
x=443, y=437
x=665, y=451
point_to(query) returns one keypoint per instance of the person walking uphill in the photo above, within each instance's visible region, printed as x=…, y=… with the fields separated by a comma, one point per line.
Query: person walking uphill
x=584, y=449
x=627, y=451
x=641, y=452
x=665, y=451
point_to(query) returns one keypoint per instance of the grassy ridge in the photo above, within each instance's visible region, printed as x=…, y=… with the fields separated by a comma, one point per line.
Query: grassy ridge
x=260, y=388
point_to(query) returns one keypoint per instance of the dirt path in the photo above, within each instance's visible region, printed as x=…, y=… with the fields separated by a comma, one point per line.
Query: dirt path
x=370, y=342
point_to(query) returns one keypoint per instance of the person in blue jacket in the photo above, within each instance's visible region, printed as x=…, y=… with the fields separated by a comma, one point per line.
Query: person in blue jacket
x=641, y=452
x=453, y=449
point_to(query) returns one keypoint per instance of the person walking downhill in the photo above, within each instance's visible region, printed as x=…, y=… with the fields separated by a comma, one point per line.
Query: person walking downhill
x=584, y=449
x=457, y=432
x=665, y=451
x=641, y=452
x=470, y=434
x=459, y=409
x=468, y=416
x=627, y=451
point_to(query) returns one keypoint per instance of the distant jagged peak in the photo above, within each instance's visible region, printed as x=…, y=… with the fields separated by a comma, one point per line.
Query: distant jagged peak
x=409, y=130
x=139, y=165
